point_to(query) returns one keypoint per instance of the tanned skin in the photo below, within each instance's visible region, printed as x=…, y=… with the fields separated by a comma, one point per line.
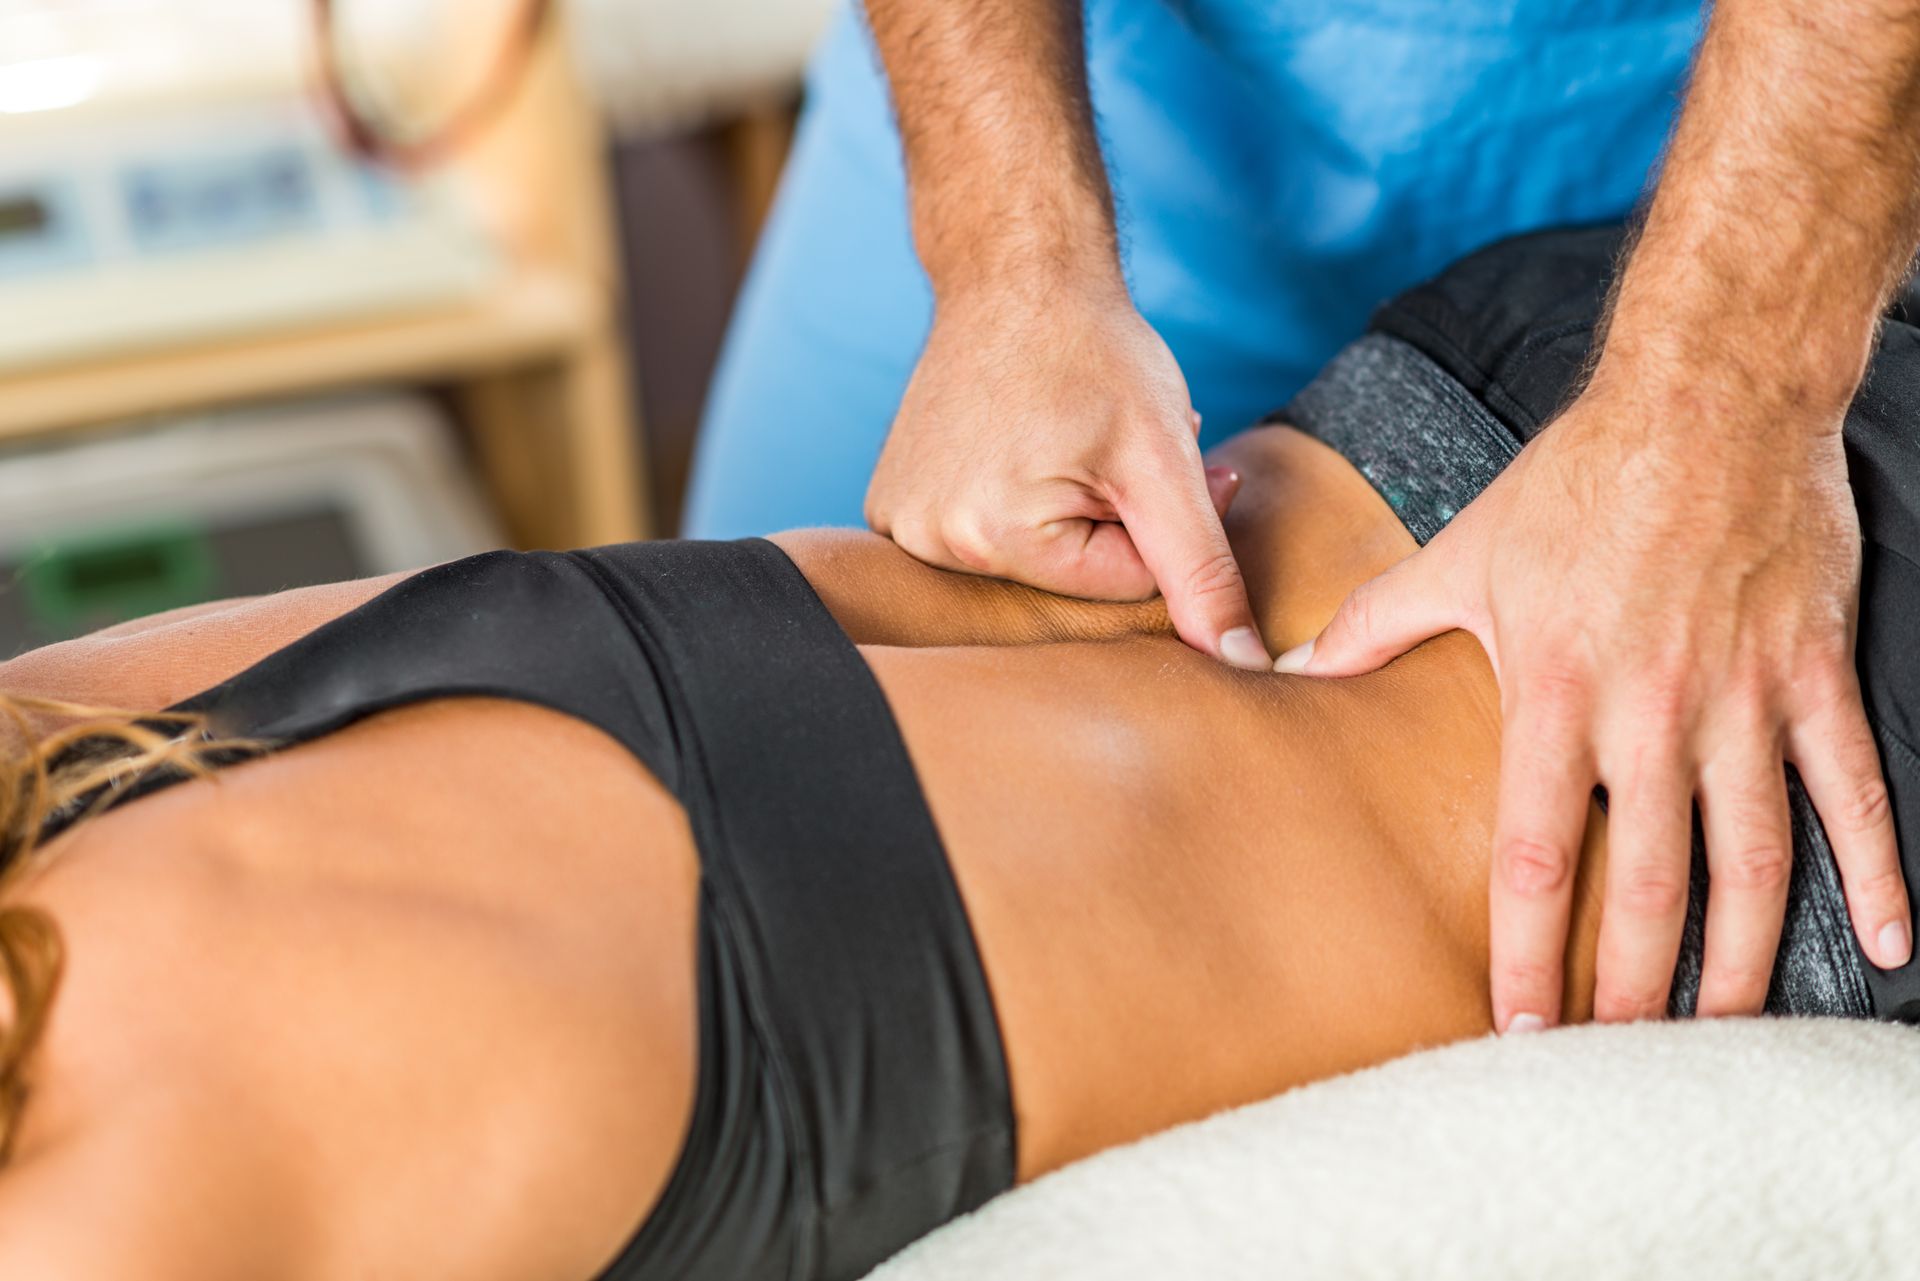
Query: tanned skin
x=438, y=968
x=1697, y=487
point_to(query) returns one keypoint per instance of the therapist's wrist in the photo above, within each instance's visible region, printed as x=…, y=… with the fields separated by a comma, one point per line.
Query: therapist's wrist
x=1780, y=333
x=1034, y=272
x=1032, y=279
x=1014, y=238
x=1720, y=370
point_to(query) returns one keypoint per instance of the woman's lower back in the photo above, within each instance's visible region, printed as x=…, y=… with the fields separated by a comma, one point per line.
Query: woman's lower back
x=1194, y=887
x=1189, y=889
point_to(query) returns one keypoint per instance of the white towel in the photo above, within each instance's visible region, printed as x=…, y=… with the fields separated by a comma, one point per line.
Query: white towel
x=1730, y=1148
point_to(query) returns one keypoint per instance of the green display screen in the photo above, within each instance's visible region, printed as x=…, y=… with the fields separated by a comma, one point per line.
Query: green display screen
x=107, y=577
x=22, y=215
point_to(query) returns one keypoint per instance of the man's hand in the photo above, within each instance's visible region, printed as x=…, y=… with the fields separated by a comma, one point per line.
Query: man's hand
x=1666, y=579
x=1667, y=594
x=1047, y=437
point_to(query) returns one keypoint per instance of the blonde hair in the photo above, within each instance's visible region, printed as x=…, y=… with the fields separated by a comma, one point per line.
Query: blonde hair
x=60, y=776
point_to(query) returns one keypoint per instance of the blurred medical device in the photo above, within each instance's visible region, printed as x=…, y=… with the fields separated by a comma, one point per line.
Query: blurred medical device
x=236, y=504
x=165, y=177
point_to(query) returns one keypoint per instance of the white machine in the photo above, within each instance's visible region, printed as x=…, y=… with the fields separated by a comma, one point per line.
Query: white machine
x=238, y=504
x=165, y=175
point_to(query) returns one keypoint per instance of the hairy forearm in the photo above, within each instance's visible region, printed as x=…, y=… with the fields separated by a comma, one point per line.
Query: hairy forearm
x=1003, y=166
x=1788, y=208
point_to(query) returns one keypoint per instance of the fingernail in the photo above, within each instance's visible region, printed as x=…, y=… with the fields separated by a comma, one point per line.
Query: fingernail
x=1243, y=649
x=1522, y=1023
x=1296, y=659
x=1896, y=945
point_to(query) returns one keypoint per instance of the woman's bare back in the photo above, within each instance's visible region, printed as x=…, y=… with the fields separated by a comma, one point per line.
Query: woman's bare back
x=424, y=988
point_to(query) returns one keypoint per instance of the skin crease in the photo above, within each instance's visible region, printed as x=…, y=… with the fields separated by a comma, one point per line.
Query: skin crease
x=327, y=1003
x=1697, y=486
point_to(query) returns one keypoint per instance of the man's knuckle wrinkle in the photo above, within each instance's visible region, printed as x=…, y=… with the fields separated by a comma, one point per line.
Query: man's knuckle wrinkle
x=1883, y=886
x=1867, y=807
x=1741, y=981
x=1217, y=575
x=1653, y=891
x=1530, y=978
x=1763, y=868
x=1535, y=867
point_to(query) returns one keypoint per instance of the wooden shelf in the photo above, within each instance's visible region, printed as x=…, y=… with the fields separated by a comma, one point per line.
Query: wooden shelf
x=537, y=368
x=533, y=317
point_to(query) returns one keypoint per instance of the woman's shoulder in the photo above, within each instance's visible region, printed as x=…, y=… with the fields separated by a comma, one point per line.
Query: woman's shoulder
x=154, y=662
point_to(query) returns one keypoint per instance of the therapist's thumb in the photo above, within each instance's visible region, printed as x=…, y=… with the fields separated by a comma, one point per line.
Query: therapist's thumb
x=1380, y=620
x=1174, y=521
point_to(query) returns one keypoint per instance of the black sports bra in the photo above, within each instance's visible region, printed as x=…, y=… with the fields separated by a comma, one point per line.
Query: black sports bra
x=852, y=1093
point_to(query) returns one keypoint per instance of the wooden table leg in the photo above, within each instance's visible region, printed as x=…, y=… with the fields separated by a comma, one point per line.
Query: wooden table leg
x=556, y=447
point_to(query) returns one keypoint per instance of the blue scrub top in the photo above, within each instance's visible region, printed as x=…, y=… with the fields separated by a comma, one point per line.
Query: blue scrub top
x=1281, y=168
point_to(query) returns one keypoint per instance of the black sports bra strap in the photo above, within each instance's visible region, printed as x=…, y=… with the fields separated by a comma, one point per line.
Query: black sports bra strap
x=531, y=626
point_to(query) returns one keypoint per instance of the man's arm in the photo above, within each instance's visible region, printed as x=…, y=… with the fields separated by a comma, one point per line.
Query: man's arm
x=1047, y=435
x=1667, y=578
x=1003, y=168
x=1788, y=211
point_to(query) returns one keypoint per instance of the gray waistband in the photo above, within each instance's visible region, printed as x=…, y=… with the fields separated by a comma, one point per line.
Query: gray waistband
x=1418, y=436
x=1429, y=447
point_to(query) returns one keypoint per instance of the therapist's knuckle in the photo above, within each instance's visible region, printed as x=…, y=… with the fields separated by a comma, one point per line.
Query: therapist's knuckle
x=1213, y=576
x=1655, y=890
x=1737, y=986
x=1557, y=689
x=914, y=536
x=1734, y=984
x=1865, y=805
x=1631, y=1001
x=970, y=542
x=1741, y=701
x=1759, y=867
x=1752, y=802
x=1883, y=886
x=1664, y=701
x=1638, y=764
x=1824, y=687
x=1527, y=979
x=1829, y=663
x=1534, y=868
